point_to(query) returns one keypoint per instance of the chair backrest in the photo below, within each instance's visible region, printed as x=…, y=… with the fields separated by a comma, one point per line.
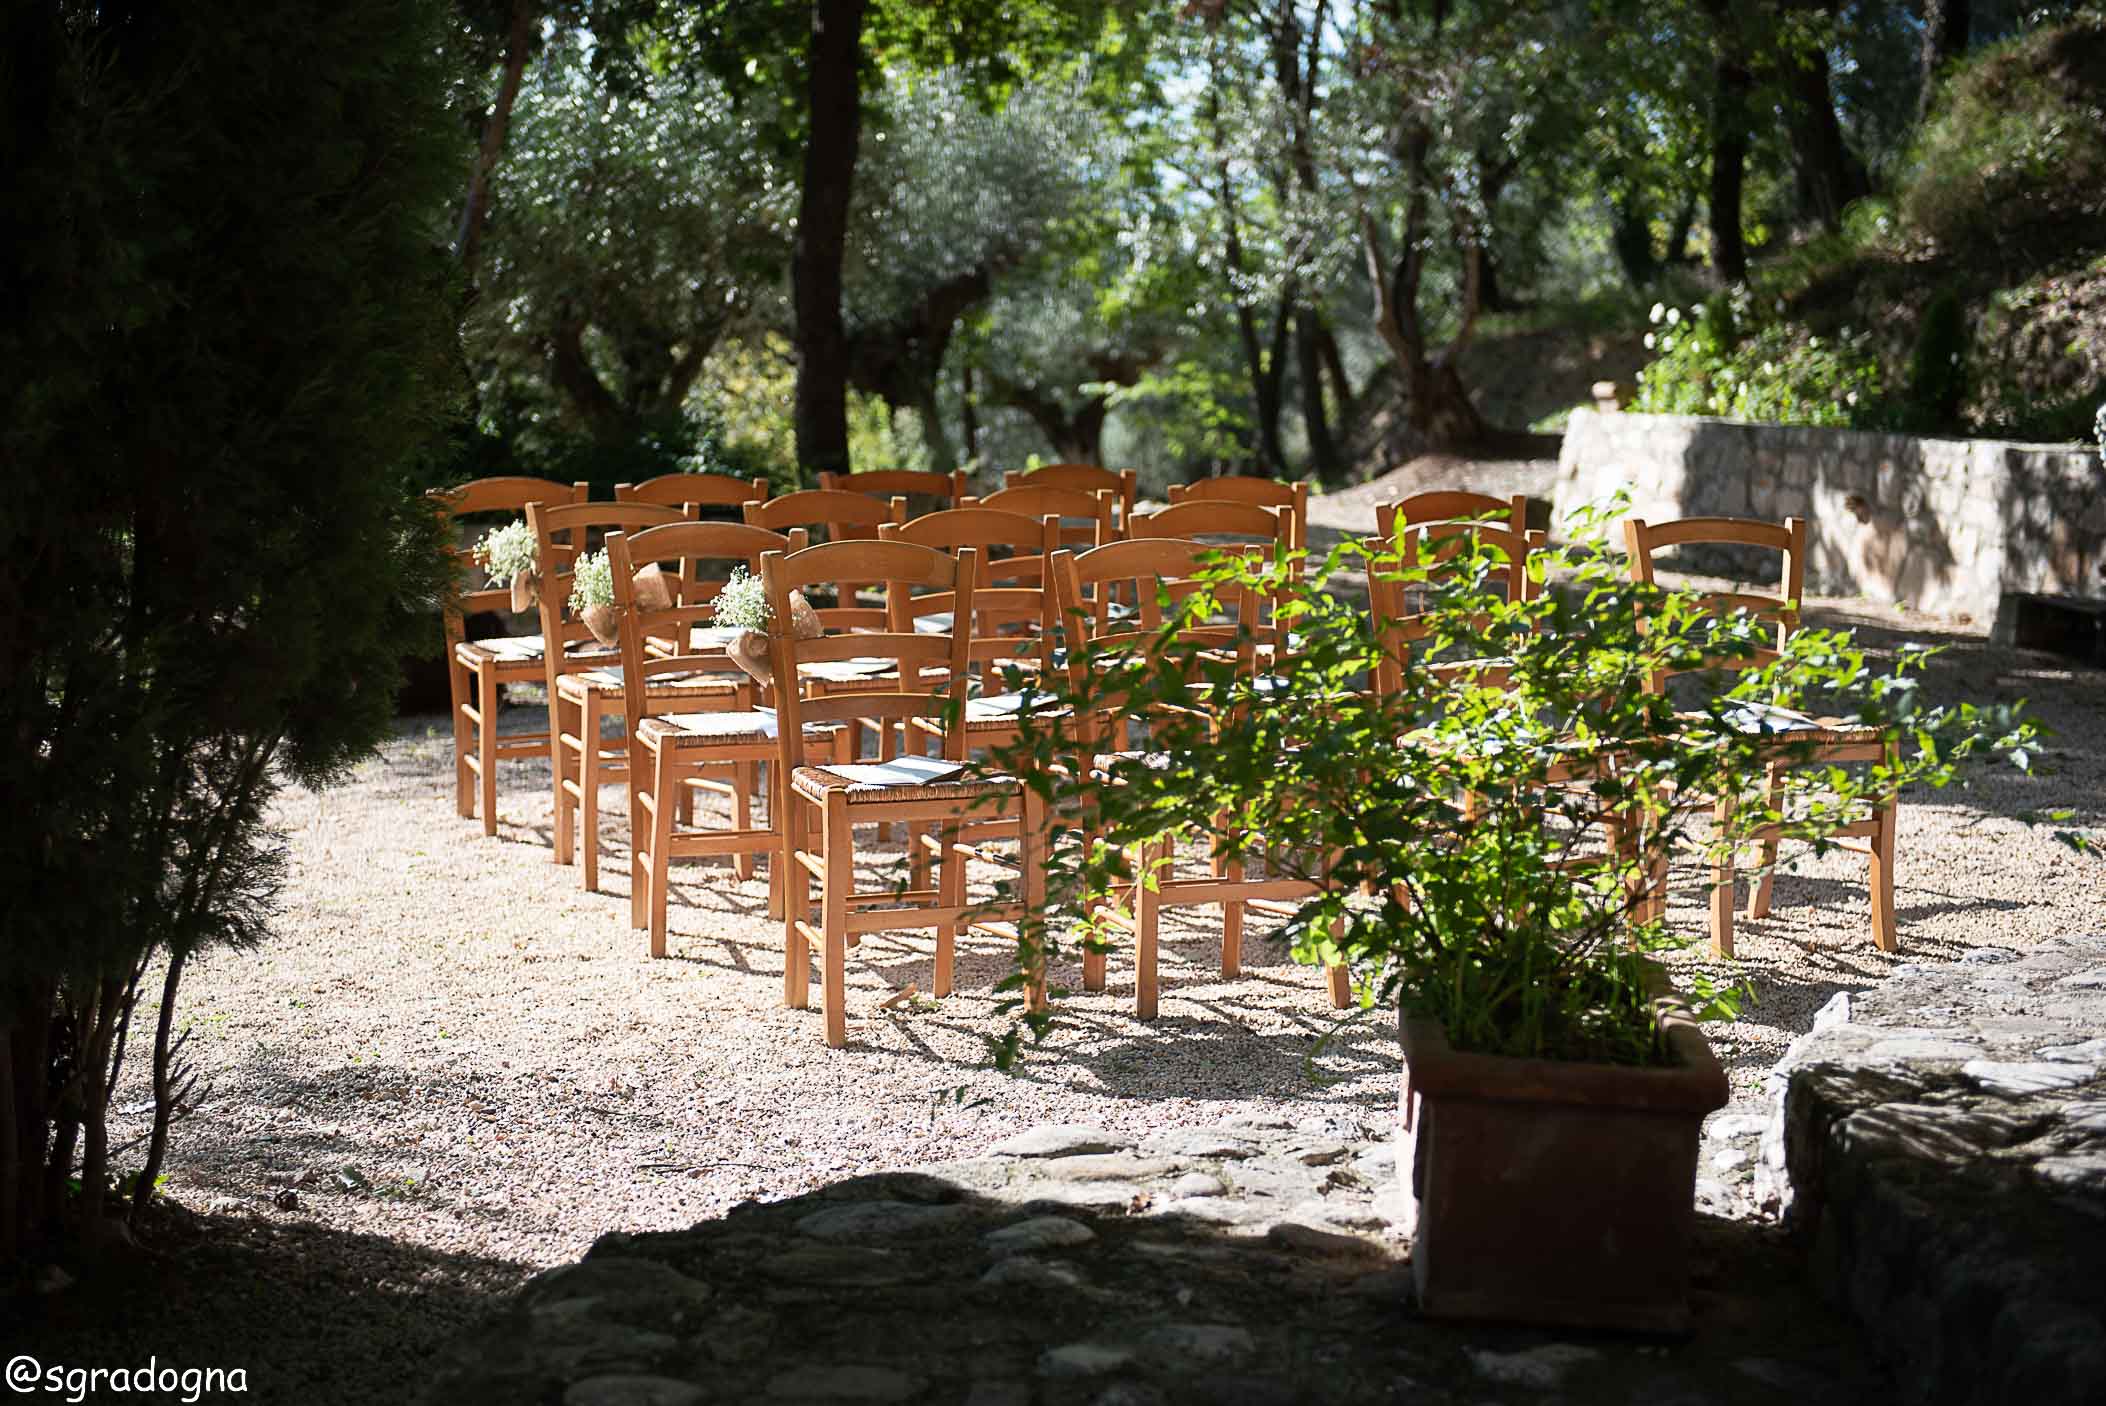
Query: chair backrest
x=1086, y=518
x=1437, y=548
x=685, y=543
x=1206, y=518
x=1292, y=499
x=834, y=516
x=508, y=495
x=705, y=490
x=1013, y=614
x=924, y=665
x=1642, y=540
x=562, y=534
x=888, y=484
x=1452, y=505
x=1164, y=570
x=1088, y=478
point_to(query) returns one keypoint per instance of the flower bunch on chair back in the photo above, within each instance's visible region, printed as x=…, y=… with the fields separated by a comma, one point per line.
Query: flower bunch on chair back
x=742, y=603
x=505, y=551
x=1479, y=790
x=591, y=582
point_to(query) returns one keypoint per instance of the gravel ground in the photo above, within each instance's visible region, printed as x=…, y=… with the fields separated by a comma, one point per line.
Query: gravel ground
x=510, y=1075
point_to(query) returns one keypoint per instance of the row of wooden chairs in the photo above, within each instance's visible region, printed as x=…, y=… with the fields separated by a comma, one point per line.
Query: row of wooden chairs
x=696, y=723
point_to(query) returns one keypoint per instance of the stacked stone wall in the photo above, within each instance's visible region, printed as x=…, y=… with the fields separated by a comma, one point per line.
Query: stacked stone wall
x=1952, y=527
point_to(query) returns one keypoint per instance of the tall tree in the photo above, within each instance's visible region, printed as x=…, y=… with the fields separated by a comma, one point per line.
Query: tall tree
x=834, y=100
x=1947, y=26
x=230, y=331
x=1732, y=91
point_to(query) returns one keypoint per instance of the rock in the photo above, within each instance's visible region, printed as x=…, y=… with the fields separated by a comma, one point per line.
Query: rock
x=1736, y=1125
x=1129, y=1394
x=630, y=1390
x=1213, y=1147
x=822, y=1265
x=2088, y=1051
x=287, y=1200
x=1319, y=1154
x=2017, y=1080
x=1730, y=1160
x=1314, y=1240
x=1197, y=1184
x=846, y=1383
x=1024, y=1272
x=2094, y=980
x=1211, y=1210
x=1209, y=1344
x=2085, y=1172
x=1083, y=1359
x=1115, y=1197
x=1920, y=1047
x=881, y=1220
x=1060, y=1140
x=1542, y=1368
x=1038, y=1233
x=1988, y=956
x=1107, y=1167
x=998, y=1394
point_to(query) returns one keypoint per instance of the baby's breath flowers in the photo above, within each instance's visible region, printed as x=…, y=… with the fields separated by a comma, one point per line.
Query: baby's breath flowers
x=506, y=551
x=742, y=604
x=591, y=582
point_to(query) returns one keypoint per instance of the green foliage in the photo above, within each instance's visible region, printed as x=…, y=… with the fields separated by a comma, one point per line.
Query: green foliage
x=1937, y=376
x=230, y=341
x=1473, y=799
x=2011, y=165
x=1718, y=359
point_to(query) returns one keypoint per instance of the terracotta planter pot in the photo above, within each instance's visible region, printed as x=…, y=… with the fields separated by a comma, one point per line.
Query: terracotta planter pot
x=1552, y=1192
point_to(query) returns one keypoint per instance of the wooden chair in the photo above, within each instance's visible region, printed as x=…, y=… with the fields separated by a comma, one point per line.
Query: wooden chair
x=1164, y=568
x=1220, y=522
x=833, y=515
x=1445, y=505
x=1289, y=499
x=1831, y=740
x=673, y=749
x=1011, y=628
x=824, y=799
x=886, y=484
x=1431, y=546
x=1122, y=484
x=584, y=682
x=703, y=490
x=477, y=670
x=1085, y=518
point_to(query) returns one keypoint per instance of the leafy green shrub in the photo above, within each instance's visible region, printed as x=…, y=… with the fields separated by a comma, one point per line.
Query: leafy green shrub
x=1937, y=378
x=1715, y=360
x=1453, y=827
x=2012, y=163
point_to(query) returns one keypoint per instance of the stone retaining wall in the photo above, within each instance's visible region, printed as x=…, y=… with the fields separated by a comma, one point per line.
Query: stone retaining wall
x=1946, y=526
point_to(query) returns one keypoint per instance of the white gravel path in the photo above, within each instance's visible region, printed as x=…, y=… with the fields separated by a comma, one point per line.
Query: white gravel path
x=496, y=1054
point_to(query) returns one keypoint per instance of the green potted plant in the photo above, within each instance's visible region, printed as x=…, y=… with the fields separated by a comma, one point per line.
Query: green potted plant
x=1477, y=838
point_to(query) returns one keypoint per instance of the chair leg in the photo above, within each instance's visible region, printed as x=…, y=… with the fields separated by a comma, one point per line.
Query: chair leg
x=562, y=714
x=796, y=904
x=1033, y=838
x=460, y=686
x=840, y=879
x=486, y=692
x=589, y=779
x=743, y=780
x=663, y=786
x=1773, y=797
x=1147, y=913
x=1230, y=868
x=950, y=893
x=777, y=863
x=1883, y=933
x=1722, y=882
x=643, y=774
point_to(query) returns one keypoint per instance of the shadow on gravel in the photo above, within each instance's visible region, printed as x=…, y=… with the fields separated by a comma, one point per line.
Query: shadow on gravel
x=311, y=1315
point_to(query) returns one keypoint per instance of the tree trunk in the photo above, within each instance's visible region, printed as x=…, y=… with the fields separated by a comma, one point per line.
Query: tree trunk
x=941, y=459
x=968, y=412
x=1334, y=366
x=1830, y=174
x=1631, y=235
x=1323, y=449
x=835, y=105
x=468, y=241
x=1685, y=225
x=1946, y=29
x=1729, y=159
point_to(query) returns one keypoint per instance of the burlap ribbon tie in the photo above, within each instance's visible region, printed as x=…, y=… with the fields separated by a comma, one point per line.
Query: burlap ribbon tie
x=750, y=650
x=526, y=590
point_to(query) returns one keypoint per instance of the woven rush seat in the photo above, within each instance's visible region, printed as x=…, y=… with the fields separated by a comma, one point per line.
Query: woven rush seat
x=718, y=729
x=523, y=649
x=996, y=712
x=608, y=683
x=1786, y=724
x=901, y=779
x=1101, y=765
